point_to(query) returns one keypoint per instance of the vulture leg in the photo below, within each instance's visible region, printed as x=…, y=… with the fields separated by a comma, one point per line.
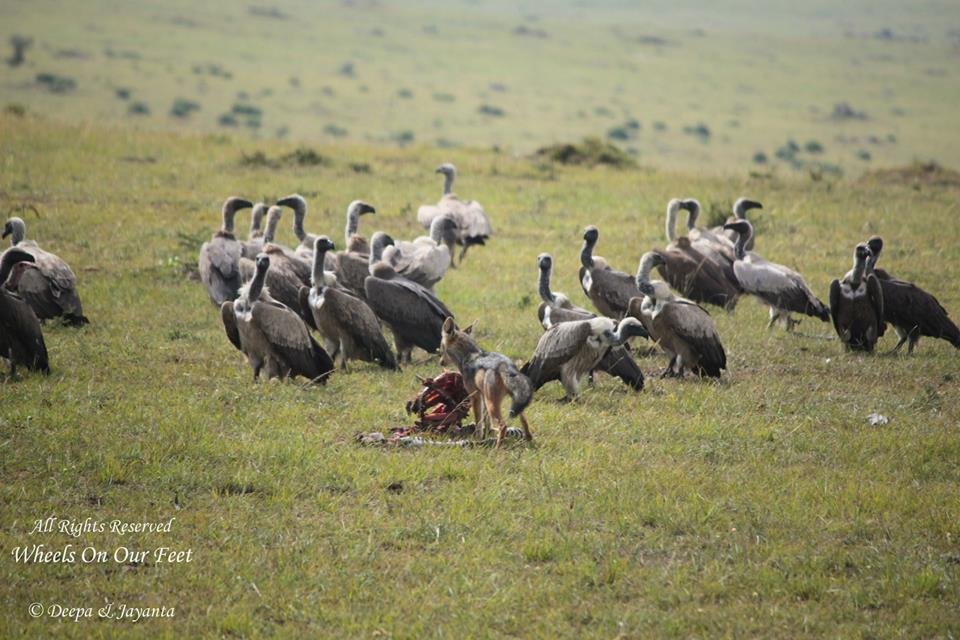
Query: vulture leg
x=668, y=372
x=914, y=339
x=463, y=252
x=13, y=364
x=773, y=318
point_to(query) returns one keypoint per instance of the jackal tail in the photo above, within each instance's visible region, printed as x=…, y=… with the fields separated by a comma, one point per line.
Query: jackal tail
x=518, y=386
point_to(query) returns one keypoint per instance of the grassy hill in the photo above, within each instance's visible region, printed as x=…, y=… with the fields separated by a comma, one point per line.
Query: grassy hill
x=695, y=85
x=762, y=505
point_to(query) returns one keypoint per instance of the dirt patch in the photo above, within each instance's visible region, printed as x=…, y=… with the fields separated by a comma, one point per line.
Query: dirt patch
x=919, y=174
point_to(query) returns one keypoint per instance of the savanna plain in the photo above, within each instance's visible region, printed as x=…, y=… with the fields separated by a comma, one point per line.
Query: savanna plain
x=762, y=505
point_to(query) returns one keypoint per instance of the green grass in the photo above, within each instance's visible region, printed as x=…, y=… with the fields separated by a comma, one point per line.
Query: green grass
x=764, y=505
x=756, y=76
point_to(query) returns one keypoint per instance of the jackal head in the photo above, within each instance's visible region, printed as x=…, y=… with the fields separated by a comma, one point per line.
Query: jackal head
x=456, y=344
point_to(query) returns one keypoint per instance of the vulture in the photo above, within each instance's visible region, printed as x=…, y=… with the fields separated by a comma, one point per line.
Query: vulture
x=353, y=267
x=286, y=275
x=780, y=288
x=912, y=311
x=473, y=227
x=692, y=273
x=353, y=240
x=569, y=350
x=609, y=290
x=273, y=337
x=684, y=329
x=557, y=308
x=856, y=304
x=426, y=259
x=220, y=257
x=21, y=338
x=349, y=326
x=414, y=313
x=46, y=283
x=740, y=208
x=254, y=243
x=716, y=246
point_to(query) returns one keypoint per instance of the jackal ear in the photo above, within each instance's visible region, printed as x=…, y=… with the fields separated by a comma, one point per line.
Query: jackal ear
x=448, y=326
x=469, y=328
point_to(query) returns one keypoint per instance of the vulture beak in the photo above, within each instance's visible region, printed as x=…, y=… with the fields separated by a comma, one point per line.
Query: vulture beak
x=366, y=208
x=7, y=230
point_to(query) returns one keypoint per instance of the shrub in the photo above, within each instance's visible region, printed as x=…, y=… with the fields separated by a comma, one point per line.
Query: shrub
x=760, y=157
x=813, y=147
x=618, y=133
x=490, y=110
x=864, y=155
x=335, y=131
x=405, y=93
x=56, y=84
x=138, y=109
x=227, y=120
x=403, y=137
x=444, y=97
x=122, y=93
x=699, y=129
x=590, y=152
x=182, y=108
x=660, y=126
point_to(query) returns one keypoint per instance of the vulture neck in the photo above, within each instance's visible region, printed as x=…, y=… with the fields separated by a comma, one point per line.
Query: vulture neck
x=299, y=213
x=255, y=221
x=672, y=220
x=229, y=213
x=436, y=230
x=273, y=219
x=646, y=266
x=859, y=265
x=18, y=233
x=692, y=214
x=741, y=247
x=544, y=287
x=317, y=275
x=586, y=254
x=448, y=178
x=256, y=285
x=353, y=223
x=376, y=250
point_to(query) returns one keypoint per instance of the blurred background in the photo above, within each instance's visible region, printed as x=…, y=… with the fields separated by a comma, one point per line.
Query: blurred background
x=697, y=85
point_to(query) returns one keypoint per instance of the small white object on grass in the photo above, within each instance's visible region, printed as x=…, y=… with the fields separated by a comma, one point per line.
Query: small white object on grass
x=876, y=419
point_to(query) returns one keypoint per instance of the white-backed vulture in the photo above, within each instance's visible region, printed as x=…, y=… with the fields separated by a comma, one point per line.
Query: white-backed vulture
x=912, y=311
x=353, y=267
x=473, y=226
x=286, y=271
x=274, y=339
x=569, y=350
x=349, y=326
x=21, y=337
x=716, y=246
x=47, y=284
x=740, y=208
x=352, y=239
x=609, y=290
x=690, y=272
x=684, y=329
x=556, y=308
x=254, y=243
x=414, y=313
x=780, y=288
x=426, y=259
x=856, y=304
x=220, y=257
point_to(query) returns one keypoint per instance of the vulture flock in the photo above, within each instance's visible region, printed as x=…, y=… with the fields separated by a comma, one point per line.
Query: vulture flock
x=307, y=310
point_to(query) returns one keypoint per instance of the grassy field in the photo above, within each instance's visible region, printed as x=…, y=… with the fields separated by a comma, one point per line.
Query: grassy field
x=697, y=85
x=762, y=505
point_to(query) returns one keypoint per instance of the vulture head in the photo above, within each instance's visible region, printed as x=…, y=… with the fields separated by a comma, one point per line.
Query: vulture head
x=10, y=258
x=628, y=328
x=359, y=208
x=744, y=231
x=230, y=207
x=741, y=206
x=16, y=228
x=447, y=169
x=443, y=230
x=545, y=262
x=876, y=245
